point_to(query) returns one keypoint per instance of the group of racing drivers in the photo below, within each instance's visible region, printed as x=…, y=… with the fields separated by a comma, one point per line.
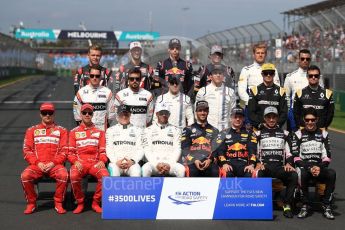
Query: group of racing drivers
x=170, y=121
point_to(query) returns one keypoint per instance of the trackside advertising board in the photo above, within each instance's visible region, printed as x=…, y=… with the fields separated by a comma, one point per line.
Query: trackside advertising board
x=187, y=198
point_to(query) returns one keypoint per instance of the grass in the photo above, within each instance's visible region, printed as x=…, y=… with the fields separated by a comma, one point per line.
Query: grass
x=338, y=120
x=12, y=79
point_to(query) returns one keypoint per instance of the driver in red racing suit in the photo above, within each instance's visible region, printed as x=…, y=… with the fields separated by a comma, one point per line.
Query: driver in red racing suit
x=45, y=149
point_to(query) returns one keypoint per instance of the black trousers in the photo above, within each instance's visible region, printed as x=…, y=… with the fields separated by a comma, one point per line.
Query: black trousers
x=238, y=169
x=290, y=179
x=327, y=176
x=211, y=171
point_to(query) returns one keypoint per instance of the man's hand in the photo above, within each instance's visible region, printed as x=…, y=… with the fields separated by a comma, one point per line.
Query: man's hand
x=206, y=164
x=227, y=168
x=315, y=171
x=49, y=166
x=249, y=169
x=41, y=166
x=260, y=167
x=78, y=165
x=166, y=168
x=198, y=165
x=99, y=165
x=160, y=168
x=289, y=168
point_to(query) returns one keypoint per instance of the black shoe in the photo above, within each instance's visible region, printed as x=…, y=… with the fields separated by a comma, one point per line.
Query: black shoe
x=303, y=213
x=327, y=212
x=287, y=211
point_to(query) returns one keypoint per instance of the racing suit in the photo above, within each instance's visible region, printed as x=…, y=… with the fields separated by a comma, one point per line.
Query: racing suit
x=274, y=153
x=198, y=143
x=261, y=97
x=147, y=81
x=180, y=69
x=294, y=81
x=124, y=141
x=82, y=78
x=237, y=149
x=87, y=146
x=101, y=99
x=221, y=100
x=140, y=103
x=162, y=144
x=180, y=107
x=312, y=148
x=45, y=143
x=251, y=76
x=321, y=99
x=205, y=73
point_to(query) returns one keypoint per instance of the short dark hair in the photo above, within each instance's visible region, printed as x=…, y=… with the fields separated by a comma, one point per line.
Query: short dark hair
x=96, y=67
x=310, y=111
x=313, y=67
x=304, y=51
x=135, y=70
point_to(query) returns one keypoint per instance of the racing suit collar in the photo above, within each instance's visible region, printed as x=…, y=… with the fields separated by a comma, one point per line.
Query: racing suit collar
x=83, y=126
x=314, y=89
x=48, y=126
x=216, y=88
x=235, y=130
x=257, y=64
x=177, y=60
x=173, y=95
x=161, y=126
x=202, y=125
x=300, y=70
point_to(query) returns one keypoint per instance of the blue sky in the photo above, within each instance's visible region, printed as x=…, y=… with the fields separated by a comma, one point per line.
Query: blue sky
x=190, y=18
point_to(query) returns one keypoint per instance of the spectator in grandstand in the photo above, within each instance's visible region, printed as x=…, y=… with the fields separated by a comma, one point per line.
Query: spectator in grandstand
x=124, y=145
x=314, y=96
x=274, y=156
x=221, y=97
x=87, y=156
x=45, y=149
x=251, y=75
x=176, y=67
x=264, y=95
x=198, y=145
x=97, y=95
x=121, y=77
x=297, y=80
x=82, y=77
x=236, y=151
x=162, y=146
x=139, y=100
x=204, y=76
x=312, y=155
x=181, y=111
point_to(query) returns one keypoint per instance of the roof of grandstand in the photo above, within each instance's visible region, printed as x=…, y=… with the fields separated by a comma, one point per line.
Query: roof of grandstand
x=314, y=8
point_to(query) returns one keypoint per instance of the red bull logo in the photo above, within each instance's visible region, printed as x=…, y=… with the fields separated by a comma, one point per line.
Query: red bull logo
x=174, y=71
x=201, y=141
x=237, y=147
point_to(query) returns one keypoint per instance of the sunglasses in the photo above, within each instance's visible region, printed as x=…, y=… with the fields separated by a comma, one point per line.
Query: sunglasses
x=202, y=110
x=313, y=75
x=134, y=79
x=305, y=59
x=95, y=75
x=84, y=113
x=309, y=120
x=270, y=73
x=45, y=113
